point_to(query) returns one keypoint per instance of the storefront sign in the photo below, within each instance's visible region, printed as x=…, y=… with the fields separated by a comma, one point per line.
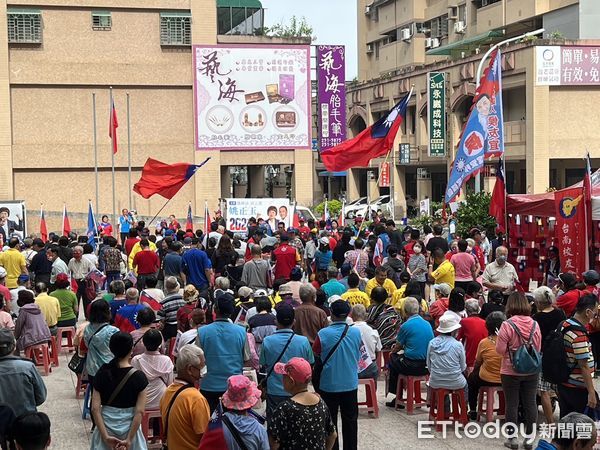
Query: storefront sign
x=570, y=230
x=331, y=76
x=252, y=97
x=384, y=174
x=272, y=210
x=436, y=112
x=404, y=154
x=567, y=65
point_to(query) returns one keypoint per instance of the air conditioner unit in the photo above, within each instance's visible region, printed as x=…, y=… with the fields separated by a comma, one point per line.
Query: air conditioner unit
x=435, y=42
x=428, y=42
x=369, y=48
x=368, y=9
x=405, y=34
x=459, y=27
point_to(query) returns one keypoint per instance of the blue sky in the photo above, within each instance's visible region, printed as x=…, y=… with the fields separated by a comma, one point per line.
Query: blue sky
x=333, y=22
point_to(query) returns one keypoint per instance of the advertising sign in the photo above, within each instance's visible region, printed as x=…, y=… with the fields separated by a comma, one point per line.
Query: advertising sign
x=570, y=230
x=436, y=112
x=567, y=66
x=404, y=157
x=425, y=207
x=331, y=73
x=384, y=174
x=272, y=210
x=252, y=97
x=13, y=223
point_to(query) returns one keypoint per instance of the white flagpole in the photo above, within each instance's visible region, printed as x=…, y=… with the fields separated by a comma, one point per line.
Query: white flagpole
x=95, y=151
x=112, y=155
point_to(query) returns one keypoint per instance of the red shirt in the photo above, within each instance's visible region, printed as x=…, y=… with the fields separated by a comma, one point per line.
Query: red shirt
x=106, y=229
x=478, y=253
x=568, y=301
x=129, y=243
x=6, y=294
x=285, y=261
x=593, y=290
x=248, y=254
x=147, y=262
x=304, y=232
x=471, y=332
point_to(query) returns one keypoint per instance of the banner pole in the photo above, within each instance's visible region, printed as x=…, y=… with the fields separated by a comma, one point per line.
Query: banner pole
x=112, y=155
x=129, y=154
x=159, y=211
x=95, y=151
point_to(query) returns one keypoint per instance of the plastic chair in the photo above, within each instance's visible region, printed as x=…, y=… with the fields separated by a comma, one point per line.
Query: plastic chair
x=153, y=441
x=413, y=400
x=437, y=411
x=371, y=396
x=54, y=350
x=488, y=392
x=82, y=384
x=69, y=334
x=40, y=352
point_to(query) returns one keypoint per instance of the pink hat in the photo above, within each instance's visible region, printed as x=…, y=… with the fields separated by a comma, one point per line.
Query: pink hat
x=241, y=393
x=298, y=369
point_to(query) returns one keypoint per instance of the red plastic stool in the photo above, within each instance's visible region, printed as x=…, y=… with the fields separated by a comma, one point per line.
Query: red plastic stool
x=384, y=357
x=437, y=412
x=81, y=386
x=413, y=392
x=66, y=332
x=488, y=392
x=54, y=351
x=153, y=441
x=371, y=396
x=39, y=353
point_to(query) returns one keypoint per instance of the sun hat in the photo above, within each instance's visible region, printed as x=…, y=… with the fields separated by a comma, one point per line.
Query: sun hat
x=190, y=293
x=298, y=369
x=448, y=324
x=245, y=292
x=444, y=289
x=285, y=289
x=241, y=394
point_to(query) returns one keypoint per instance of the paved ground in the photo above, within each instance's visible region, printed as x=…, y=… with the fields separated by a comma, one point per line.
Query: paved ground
x=392, y=430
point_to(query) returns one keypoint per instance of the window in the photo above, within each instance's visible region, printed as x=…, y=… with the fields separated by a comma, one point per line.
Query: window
x=242, y=20
x=101, y=20
x=439, y=26
x=175, y=28
x=482, y=3
x=462, y=13
x=24, y=26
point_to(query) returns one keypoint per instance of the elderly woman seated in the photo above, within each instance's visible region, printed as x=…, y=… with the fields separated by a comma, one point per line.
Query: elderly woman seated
x=446, y=358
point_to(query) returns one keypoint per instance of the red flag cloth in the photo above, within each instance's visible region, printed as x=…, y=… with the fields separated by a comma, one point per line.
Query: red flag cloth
x=296, y=221
x=66, y=229
x=43, y=227
x=498, y=202
x=189, y=224
x=372, y=142
x=113, y=124
x=570, y=229
x=164, y=179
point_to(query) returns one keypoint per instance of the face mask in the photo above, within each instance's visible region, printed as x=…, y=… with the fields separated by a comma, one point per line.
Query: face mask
x=501, y=259
x=417, y=250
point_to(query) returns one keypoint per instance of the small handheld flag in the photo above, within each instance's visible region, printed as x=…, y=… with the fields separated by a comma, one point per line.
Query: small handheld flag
x=113, y=124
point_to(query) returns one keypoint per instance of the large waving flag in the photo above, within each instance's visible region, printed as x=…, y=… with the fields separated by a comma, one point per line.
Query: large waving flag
x=66, y=225
x=498, y=202
x=43, y=227
x=113, y=124
x=189, y=223
x=372, y=142
x=92, y=230
x=164, y=179
x=483, y=134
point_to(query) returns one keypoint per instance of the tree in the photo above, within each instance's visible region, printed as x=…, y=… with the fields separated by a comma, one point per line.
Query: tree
x=297, y=28
x=334, y=207
x=474, y=213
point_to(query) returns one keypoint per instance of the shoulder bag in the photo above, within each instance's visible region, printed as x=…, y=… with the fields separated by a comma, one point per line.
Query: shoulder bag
x=318, y=366
x=234, y=433
x=77, y=363
x=263, y=383
x=164, y=436
x=120, y=387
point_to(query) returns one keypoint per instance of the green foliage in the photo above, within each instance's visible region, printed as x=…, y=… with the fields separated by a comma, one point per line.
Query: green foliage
x=474, y=212
x=297, y=28
x=557, y=35
x=436, y=217
x=334, y=206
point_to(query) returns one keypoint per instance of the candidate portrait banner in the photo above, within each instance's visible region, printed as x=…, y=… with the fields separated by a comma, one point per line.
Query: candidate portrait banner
x=571, y=230
x=272, y=210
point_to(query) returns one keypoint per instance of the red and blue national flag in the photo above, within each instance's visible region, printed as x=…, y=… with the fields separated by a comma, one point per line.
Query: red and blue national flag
x=189, y=223
x=164, y=179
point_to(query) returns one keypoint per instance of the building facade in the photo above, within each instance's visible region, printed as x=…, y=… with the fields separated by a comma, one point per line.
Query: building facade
x=58, y=53
x=547, y=125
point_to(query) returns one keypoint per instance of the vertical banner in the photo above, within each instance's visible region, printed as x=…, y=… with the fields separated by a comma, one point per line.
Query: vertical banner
x=436, y=112
x=570, y=229
x=331, y=73
x=384, y=174
x=404, y=156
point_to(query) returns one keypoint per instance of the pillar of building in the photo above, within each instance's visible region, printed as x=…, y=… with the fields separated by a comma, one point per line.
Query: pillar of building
x=372, y=186
x=423, y=188
x=226, y=186
x=352, y=192
x=399, y=189
x=537, y=148
x=256, y=181
x=302, y=181
x=489, y=183
x=6, y=161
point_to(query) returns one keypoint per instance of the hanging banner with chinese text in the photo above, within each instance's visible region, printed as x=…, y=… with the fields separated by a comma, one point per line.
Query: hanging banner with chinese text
x=331, y=72
x=252, y=97
x=384, y=174
x=436, y=112
x=567, y=66
x=404, y=154
x=570, y=230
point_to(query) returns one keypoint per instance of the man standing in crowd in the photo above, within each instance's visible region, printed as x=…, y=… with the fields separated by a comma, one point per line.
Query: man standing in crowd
x=442, y=270
x=500, y=274
x=40, y=266
x=286, y=258
x=309, y=318
x=125, y=224
x=169, y=307
x=49, y=306
x=79, y=268
x=14, y=262
x=437, y=241
x=197, y=269
x=333, y=286
x=256, y=273
x=58, y=265
x=145, y=264
x=358, y=258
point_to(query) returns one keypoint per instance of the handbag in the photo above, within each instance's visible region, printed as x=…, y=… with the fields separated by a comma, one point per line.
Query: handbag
x=164, y=436
x=77, y=362
x=263, y=383
x=318, y=366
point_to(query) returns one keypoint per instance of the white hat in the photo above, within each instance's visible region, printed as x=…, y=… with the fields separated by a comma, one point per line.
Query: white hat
x=448, y=323
x=324, y=240
x=334, y=298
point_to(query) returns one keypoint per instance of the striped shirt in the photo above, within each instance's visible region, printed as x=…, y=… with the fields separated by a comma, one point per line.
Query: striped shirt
x=170, y=306
x=578, y=347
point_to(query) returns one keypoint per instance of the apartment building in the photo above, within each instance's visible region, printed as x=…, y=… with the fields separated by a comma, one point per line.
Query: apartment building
x=548, y=122
x=55, y=54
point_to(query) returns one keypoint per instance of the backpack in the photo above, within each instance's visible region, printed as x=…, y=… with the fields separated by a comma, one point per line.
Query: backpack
x=525, y=359
x=555, y=365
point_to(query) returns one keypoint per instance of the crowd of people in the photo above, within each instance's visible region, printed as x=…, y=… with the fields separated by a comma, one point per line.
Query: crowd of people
x=201, y=327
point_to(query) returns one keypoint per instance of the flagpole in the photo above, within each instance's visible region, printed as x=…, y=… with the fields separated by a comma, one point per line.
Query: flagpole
x=95, y=151
x=112, y=155
x=505, y=195
x=63, y=219
x=96, y=234
x=159, y=211
x=129, y=154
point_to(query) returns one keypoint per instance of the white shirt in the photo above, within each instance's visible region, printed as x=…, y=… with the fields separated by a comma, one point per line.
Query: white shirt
x=92, y=258
x=186, y=338
x=370, y=338
x=212, y=234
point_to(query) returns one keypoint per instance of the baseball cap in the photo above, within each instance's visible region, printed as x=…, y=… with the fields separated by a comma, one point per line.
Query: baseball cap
x=245, y=292
x=7, y=341
x=226, y=304
x=568, y=279
x=298, y=369
x=187, y=241
x=591, y=277
x=285, y=289
x=301, y=219
x=292, y=230
x=260, y=293
x=23, y=278
x=340, y=308
x=285, y=314
x=444, y=289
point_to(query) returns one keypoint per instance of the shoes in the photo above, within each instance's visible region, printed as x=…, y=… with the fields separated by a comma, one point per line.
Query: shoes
x=511, y=443
x=392, y=404
x=473, y=416
x=527, y=445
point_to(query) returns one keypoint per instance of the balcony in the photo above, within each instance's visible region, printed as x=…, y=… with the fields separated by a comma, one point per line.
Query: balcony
x=514, y=132
x=239, y=17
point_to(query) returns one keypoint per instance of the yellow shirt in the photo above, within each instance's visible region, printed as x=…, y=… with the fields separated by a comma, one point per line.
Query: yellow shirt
x=135, y=250
x=444, y=273
x=388, y=285
x=397, y=296
x=398, y=301
x=14, y=263
x=356, y=297
x=50, y=308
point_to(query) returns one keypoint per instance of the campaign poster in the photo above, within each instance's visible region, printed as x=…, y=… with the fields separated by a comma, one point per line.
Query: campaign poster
x=13, y=223
x=252, y=97
x=272, y=210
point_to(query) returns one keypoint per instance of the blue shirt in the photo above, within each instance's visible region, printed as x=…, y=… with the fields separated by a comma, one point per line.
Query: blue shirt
x=98, y=350
x=272, y=347
x=125, y=224
x=340, y=374
x=194, y=263
x=414, y=335
x=223, y=344
x=333, y=287
x=385, y=240
x=322, y=259
x=22, y=387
